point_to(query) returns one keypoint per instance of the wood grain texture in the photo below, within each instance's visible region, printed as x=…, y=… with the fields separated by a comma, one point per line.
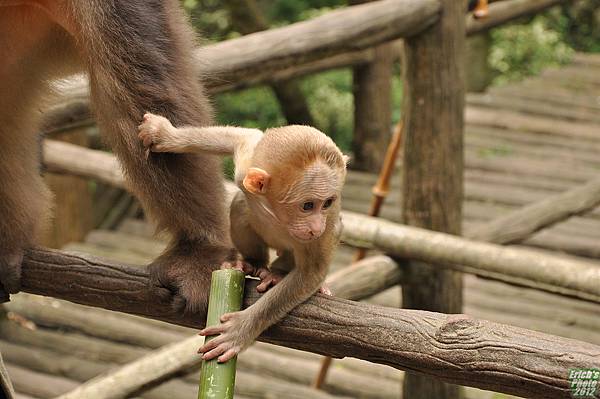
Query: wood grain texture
x=432, y=166
x=454, y=348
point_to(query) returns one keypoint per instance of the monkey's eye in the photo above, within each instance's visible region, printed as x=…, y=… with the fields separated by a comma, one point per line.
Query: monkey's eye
x=327, y=203
x=307, y=206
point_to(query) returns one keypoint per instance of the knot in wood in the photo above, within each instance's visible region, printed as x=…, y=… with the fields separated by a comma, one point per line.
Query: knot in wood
x=457, y=327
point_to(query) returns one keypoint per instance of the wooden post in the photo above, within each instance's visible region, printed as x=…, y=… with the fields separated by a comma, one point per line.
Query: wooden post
x=432, y=185
x=73, y=208
x=372, y=89
x=478, y=71
x=246, y=17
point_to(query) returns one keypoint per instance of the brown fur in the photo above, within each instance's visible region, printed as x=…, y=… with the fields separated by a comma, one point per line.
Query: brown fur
x=277, y=172
x=138, y=56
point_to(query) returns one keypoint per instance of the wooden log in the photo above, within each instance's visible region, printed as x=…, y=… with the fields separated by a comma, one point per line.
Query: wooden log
x=138, y=245
x=344, y=60
x=136, y=376
x=261, y=55
x=75, y=160
x=338, y=31
x=505, y=11
x=446, y=346
x=529, y=219
x=432, y=166
x=37, y=384
x=53, y=363
x=571, y=277
x=259, y=359
x=73, y=344
x=50, y=312
x=365, y=278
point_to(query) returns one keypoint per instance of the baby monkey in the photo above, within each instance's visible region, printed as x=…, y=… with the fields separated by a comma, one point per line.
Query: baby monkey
x=290, y=180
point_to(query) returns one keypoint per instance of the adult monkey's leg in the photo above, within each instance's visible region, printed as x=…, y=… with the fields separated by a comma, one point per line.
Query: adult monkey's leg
x=139, y=57
x=30, y=43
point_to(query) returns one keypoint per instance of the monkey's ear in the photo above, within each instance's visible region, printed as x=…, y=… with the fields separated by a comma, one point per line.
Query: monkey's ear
x=256, y=181
x=346, y=159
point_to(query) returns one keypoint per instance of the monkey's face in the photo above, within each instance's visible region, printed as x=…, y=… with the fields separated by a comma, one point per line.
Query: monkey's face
x=306, y=205
x=306, y=220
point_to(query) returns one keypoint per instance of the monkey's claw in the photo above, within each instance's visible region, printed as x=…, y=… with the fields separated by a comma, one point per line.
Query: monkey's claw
x=10, y=273
x=325, y=290
x=230, y=341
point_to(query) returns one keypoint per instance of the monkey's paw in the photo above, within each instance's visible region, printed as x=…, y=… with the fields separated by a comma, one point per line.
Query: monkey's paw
x=155, y=132
x=10, y=273
x=181, y=276
x=232, y=337
x=268, y=278
x=325, y=290
x=237, y=264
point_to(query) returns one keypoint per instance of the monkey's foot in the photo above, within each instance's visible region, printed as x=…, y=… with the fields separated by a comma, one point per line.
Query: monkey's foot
x=237, y=264
x=182, y=275
x=325, y=290
x=10, y=273
x=232, y=337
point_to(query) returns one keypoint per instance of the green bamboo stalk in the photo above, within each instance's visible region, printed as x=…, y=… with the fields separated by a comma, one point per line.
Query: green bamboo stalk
x=217, y=380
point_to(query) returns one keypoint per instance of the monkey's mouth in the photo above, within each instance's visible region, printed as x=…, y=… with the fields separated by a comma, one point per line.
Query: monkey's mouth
x=304, y=239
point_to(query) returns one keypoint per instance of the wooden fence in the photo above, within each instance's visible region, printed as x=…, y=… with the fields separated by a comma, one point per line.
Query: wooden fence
x=452, y=348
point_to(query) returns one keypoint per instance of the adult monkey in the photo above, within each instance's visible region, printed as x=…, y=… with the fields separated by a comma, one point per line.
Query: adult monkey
x=138, y=57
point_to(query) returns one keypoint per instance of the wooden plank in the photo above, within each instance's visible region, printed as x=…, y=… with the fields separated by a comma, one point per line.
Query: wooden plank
x=528, y=106
x=518, y=121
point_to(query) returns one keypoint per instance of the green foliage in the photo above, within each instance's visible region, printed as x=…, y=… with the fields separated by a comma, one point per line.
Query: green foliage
x=578, y=24
x=256, y=107
x=522, y=50
x=289, y=11
x=332, y=105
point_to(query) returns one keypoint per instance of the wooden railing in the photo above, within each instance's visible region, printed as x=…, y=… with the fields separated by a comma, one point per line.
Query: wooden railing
x=452, y=348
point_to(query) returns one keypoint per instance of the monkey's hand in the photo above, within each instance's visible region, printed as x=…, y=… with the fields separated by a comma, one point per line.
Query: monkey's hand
x=234, y=335
x=158, y=134
x=10, y=273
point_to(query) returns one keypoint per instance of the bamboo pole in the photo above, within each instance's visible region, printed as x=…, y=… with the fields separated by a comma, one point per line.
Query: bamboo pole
x=382, y=187
x=217, y=380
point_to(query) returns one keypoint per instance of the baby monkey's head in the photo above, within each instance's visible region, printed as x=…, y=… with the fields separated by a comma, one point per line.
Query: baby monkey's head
x=300, y=172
